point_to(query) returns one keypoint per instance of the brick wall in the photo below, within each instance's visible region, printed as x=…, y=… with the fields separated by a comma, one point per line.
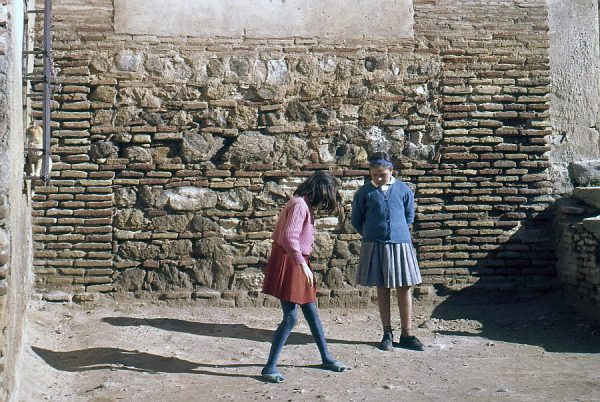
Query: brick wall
x=578, y=238
x=578, y=258
x=174, y=155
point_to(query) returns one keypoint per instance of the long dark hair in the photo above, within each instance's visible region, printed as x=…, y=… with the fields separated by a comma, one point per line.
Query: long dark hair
x=321, y=190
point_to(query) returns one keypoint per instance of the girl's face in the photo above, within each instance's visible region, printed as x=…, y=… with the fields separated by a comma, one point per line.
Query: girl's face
x=380, y=175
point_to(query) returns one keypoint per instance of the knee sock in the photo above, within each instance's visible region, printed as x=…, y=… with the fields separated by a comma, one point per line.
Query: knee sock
x=290, y=317
x=316, y=329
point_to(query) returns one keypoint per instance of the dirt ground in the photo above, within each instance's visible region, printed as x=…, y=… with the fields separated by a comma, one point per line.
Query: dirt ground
x=151, y=351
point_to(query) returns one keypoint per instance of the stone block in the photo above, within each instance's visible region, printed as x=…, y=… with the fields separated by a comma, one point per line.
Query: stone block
x=57, y=296
x=175, y=295
x=571, y=210
x=344, y=293
x=104, y=93
x=199, y=147
x=100, y=288
x=593, y=225
x=589, y=195
x=585, y=173
x=190, y=198
x=85, y=297
x=206, y=294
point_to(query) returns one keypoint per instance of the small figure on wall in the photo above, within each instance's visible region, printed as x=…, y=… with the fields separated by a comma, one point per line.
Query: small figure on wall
x=34, y=143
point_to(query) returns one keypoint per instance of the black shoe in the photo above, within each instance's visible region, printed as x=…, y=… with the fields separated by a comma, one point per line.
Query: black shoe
x=386, y=343
x=410, y=342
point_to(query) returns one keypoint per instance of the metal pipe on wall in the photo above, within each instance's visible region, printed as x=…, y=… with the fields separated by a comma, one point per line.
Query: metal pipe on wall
x=47, y=91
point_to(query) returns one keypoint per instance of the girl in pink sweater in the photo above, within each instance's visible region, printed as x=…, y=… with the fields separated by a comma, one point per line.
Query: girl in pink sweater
x=288, y=275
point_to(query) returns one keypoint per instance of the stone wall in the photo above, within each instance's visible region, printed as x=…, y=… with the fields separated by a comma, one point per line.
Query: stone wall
x=578, y=242
x=15, y=207
x=173, y=155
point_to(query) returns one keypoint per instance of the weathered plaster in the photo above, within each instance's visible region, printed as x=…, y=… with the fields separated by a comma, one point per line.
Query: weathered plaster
x=575, y=74
x=336, y=19
x=18, y=222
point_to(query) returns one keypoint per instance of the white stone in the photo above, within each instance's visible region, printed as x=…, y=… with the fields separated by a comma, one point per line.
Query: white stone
x=191, y=198
x=128, y=60
x=328, y=222
x=348, y=112
x=377, y=140
x=346, y=196
x=57, y=296
x=277, y=72
x=327, y=65
x=238, y=199
x=325, y=155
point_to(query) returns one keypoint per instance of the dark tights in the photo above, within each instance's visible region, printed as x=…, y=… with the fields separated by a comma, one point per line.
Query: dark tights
x=290, y=318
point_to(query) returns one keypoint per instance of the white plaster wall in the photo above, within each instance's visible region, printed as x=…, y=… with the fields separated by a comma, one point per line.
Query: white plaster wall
x=575, y=73
x=19, y=216
x=335, y=19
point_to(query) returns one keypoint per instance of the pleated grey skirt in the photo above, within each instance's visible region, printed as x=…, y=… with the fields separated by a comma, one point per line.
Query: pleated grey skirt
x=390, y=265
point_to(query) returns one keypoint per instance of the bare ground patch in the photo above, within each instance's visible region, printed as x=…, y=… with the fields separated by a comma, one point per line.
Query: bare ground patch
x=140, y=350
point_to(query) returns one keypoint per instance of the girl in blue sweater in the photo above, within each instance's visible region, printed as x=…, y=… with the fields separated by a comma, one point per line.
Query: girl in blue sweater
x=382, y=209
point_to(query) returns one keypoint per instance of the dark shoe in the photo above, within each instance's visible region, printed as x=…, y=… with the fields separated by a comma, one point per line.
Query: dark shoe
x=410, y=342
x=335, y=365
x=387, y=342
x=275, y=377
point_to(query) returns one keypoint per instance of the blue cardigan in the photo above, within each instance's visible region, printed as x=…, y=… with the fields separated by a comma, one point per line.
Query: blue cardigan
x=383, y=217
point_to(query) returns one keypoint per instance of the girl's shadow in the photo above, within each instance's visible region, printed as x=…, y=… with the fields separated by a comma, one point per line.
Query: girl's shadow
x=238, y=331
x=132, y=360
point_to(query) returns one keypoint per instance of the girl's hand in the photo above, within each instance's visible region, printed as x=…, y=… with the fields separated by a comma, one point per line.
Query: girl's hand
x=308, y=273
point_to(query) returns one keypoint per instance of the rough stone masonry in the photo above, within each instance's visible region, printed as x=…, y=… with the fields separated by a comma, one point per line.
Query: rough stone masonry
x=173, y=155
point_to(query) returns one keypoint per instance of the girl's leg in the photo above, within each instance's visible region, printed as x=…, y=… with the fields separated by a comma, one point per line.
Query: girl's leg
x=316, y=329
x=383, y=302
x=290, y=318
x=407, y=339
x=405, y=307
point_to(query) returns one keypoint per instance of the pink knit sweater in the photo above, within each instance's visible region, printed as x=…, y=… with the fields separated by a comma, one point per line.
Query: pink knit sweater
x=294, y=230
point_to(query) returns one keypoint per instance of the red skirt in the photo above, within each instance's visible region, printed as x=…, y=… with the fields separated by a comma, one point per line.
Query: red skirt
x=285, y=279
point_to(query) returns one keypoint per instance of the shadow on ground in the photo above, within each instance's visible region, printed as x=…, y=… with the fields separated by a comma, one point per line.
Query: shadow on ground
x=237, y=331
x=130, y=360
x=134, y=360
x=547, y=321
